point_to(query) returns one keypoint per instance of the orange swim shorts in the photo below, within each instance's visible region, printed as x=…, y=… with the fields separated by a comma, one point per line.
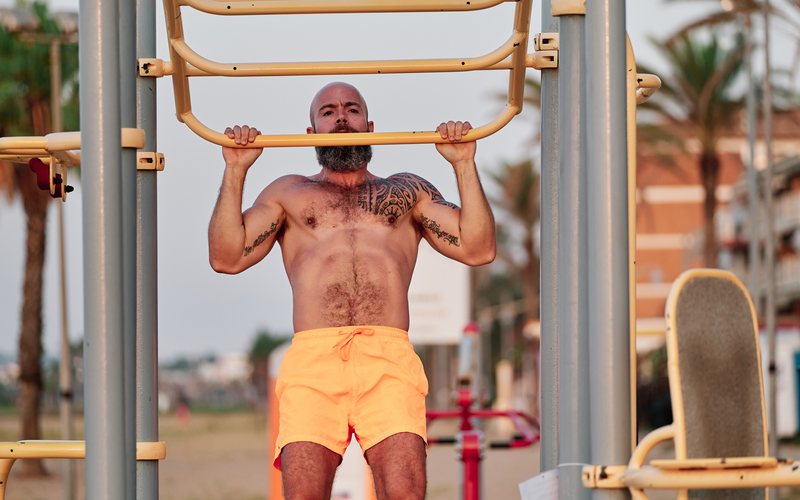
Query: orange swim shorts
x=338, y=382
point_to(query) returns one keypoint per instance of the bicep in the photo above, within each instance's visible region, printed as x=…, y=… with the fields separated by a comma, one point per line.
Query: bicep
x=262, y=223
x=438, y=220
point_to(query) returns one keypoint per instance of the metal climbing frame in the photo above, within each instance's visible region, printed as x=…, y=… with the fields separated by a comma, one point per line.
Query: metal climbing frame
x=185, y=62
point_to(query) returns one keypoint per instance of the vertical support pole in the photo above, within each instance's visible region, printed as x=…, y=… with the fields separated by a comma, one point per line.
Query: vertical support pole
x=102, y=244
x=769, y=245
x=753, y=196
x=573, y=342
x=146, y=261
x=607, y=203
x=549, y=221
x=127, y=79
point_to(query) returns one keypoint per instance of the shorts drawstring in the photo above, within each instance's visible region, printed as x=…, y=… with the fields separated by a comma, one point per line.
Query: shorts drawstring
x=344, y=344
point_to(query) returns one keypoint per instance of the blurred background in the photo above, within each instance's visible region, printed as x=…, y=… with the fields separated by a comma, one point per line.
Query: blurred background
x=216, y=333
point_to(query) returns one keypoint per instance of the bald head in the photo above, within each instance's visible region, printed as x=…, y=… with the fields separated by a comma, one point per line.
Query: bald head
x=336, y=95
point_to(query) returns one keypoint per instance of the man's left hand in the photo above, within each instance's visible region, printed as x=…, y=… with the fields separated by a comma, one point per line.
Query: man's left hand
x=455, y=151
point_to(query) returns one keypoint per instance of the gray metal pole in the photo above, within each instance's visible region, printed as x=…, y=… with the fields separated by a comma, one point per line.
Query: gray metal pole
x=606, y=132
x=147, y=261
x=573, y=342
x=102, y=250
x=548, y=352
x=127, y=79
x=769, y=243
x=753, y=196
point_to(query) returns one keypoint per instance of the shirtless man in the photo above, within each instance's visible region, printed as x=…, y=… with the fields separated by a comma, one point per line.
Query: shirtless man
x=349, y=242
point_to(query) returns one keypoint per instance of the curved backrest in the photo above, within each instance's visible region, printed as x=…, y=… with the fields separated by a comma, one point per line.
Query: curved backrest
x=715, y=371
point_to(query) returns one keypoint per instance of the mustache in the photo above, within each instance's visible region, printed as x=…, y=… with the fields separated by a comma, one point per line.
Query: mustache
x=344, y=128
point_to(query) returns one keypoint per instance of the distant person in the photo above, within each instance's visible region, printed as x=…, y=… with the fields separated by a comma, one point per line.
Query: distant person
x=349, y=242
x=182, y=408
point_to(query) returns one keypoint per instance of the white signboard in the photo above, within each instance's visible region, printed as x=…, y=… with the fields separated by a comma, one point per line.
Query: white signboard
x=438, y=298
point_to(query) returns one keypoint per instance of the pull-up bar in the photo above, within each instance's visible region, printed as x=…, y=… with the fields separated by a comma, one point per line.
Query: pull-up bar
x=511, y=55
x=239, y=7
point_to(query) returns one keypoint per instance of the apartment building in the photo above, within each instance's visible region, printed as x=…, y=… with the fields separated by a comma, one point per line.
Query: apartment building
x=670, y=222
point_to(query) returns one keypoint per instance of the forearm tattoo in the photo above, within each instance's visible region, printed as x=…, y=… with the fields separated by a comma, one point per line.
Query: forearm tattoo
x=440, y=233
x=261, y=238
x=396, y=195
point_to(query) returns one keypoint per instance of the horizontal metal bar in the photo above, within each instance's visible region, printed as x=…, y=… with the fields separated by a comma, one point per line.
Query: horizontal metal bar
x=646, y=86
x=156, y=450
x=62, y=141
x=356, y=139
x=346, y=67
x=234, y=8
x=538, y=60
x=650, y=477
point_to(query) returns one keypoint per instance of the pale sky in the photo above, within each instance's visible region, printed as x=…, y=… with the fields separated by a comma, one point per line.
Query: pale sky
x=201, y=311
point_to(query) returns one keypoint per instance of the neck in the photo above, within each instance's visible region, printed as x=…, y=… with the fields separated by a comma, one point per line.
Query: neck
x=345, y=179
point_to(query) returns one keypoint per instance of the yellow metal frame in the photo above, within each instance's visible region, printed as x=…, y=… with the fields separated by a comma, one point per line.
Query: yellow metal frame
x=58, y=150
x=10, y=452
x=640, y=86
x=185, y=63
x=682, y=473
x=249, y=7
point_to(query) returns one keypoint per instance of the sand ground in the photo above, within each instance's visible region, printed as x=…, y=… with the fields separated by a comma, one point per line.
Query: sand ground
x=224, y=456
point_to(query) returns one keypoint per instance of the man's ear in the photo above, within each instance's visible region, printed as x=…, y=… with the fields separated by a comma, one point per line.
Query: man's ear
x=310, y=130
x=371, y=126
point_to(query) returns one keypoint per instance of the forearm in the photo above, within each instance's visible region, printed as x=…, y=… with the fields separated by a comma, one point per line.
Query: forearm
x=476, y=222
x=226, y=231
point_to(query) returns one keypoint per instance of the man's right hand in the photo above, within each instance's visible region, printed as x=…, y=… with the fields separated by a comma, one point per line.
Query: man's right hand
x=241, y=158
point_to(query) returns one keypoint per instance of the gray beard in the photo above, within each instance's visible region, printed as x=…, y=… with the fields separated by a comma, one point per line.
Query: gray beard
x=343, y=158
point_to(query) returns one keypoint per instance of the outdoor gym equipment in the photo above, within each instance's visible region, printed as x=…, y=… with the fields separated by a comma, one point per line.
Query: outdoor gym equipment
x=50, y=156
x=470, y=442
x=717, y=391
x=112, y=98
x=10, y=452
x=185, y=62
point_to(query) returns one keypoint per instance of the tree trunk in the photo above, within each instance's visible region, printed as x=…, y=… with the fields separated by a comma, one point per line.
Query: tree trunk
x=532, y=292
x=35, y=203
x=709, y=168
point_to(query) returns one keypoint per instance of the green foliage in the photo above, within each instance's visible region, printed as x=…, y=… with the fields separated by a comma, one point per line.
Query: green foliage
x=700, y=92
x=518, y=184
x=25, y=78
x=263, y=345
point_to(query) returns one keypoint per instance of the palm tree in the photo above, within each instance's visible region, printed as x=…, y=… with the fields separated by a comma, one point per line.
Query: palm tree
x=517, y=202
x=518, y=184
x=698, y=100
x=25, y=110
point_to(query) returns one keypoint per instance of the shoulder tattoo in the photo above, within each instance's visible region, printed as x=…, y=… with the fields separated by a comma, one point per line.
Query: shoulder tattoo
x=396, y=195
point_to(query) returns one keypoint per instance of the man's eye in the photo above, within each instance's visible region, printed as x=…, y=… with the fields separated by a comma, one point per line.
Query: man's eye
x=326, y=113
x=353, y=110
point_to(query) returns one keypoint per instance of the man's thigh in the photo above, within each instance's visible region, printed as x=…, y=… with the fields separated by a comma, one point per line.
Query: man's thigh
x=398, y=466
x=308, y=469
